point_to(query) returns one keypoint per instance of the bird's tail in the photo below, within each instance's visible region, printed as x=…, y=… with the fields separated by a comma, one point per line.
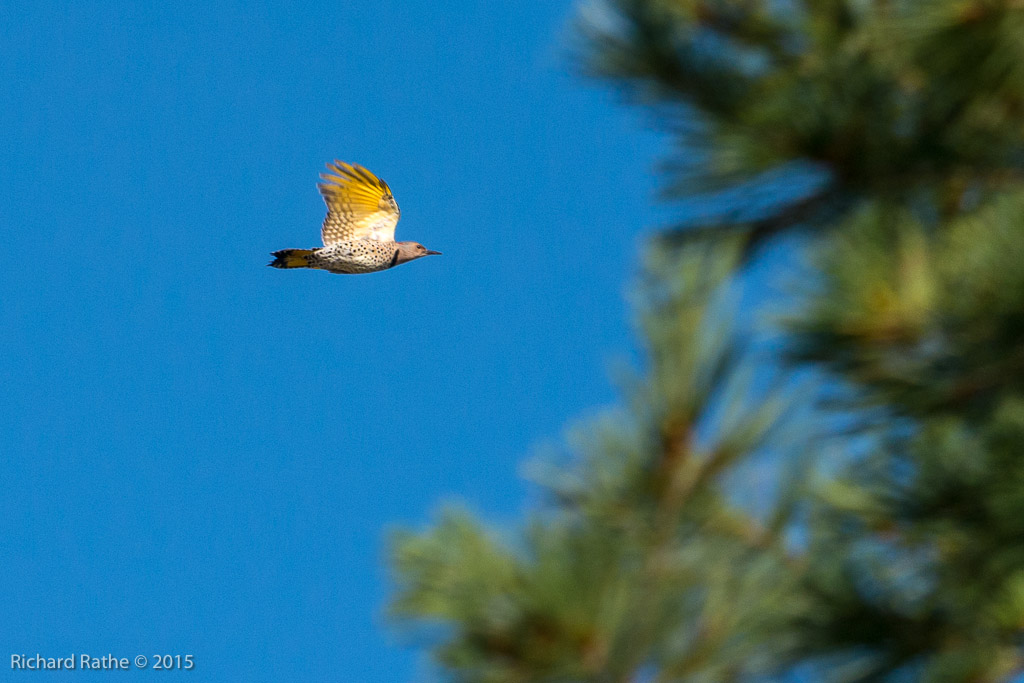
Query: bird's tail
x=291, y=258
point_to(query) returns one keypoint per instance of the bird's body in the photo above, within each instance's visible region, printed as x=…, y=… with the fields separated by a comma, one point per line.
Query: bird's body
x=355, y=256
x=359, y=230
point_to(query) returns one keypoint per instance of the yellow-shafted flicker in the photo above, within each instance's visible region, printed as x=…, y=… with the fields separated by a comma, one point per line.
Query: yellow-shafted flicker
x=359, y=230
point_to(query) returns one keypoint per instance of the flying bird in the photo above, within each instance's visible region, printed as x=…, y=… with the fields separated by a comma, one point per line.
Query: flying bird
x=359, y=230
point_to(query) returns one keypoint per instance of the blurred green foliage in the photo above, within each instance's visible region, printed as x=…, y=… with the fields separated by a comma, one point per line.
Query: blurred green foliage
x=729, y=522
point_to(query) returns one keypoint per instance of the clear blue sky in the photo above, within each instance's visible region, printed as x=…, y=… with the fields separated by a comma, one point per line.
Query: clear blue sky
x=204, y=455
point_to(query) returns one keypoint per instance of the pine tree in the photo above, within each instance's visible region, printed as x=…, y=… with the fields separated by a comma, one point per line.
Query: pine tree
x=853, y=510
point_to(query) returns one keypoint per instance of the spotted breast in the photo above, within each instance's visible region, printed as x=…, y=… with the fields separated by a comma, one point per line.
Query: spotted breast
x=355, y=256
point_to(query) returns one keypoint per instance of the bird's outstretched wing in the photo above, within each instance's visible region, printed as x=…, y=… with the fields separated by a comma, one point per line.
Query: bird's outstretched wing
x=359, y=205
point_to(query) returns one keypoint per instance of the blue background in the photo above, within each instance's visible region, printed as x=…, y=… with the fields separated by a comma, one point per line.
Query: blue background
x=203, y=455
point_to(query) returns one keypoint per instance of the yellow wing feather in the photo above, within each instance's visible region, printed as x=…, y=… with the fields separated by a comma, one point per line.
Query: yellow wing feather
x=359, y=205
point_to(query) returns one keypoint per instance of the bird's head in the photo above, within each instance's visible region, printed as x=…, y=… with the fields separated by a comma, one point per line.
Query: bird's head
x=410, y=251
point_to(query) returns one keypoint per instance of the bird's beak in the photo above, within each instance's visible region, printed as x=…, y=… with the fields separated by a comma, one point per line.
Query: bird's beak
x=433, y=253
